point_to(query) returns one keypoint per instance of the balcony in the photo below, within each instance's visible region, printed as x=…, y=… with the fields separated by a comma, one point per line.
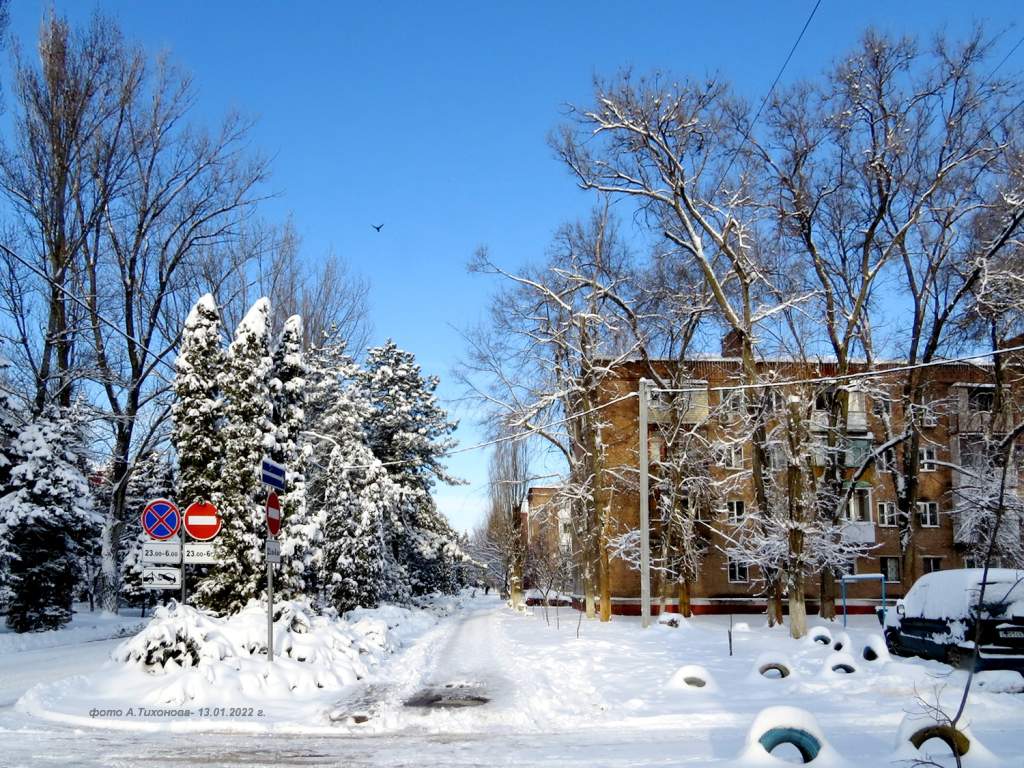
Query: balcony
x=857, y=421
x=858, y=532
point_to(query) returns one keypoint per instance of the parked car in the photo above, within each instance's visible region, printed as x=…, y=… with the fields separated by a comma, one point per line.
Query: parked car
x=937, y=619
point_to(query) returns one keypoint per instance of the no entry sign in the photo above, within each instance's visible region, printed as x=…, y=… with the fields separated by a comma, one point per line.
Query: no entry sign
x=202, y=521
x=273, y=513
x=161, y=519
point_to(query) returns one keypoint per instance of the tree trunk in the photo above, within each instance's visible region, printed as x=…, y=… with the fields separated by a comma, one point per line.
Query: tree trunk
x=588, y=586
x=797, y=608
x=909, y=565
x=775, y=602
x=827, y=608
x=684, y=599
x=604, y=580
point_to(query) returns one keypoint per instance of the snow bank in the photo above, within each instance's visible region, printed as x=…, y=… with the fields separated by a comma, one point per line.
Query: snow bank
x=85, y=627
x=201, y=668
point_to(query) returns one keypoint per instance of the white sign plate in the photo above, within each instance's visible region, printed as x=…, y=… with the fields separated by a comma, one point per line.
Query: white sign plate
x=161, y=578
x=199, y=553
x=161, y=552
x=273, y=551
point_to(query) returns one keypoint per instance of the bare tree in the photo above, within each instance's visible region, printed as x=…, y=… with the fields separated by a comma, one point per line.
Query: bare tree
x=671, y=148
x=509, y=482
x=324, y=291
x=555, y=334
x=59, y=172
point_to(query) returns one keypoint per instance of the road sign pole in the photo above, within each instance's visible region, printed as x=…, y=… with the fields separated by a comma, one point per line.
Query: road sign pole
x=270, y=611
x=183, y=571
x=645, y=523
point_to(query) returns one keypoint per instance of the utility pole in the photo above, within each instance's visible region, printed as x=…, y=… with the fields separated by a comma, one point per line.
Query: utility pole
x=270, y=607
x=645, y=516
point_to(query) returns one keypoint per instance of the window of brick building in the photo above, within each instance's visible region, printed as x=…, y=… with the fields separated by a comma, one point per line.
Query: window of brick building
x=735, y=510
x=881, y=406
x=890, y=568
x=886, y=460
x=729, y=456
x=926, y=458
x=980, y=399
x=928, y=514
x=931, y=564
x=858, y=509
x=887, y=514
x=857, y=452
x=738, y=572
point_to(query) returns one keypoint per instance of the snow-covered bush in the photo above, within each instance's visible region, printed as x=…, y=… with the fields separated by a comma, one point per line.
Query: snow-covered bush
x=180, y=636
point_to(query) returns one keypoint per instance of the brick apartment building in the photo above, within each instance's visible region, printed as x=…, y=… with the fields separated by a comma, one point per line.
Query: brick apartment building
x=726, y=586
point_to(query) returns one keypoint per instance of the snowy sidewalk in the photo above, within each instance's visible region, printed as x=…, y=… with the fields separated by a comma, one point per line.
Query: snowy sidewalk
x=606, y=698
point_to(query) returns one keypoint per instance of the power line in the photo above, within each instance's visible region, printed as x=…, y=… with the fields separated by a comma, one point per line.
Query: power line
x=1002, y=61
x=723, y=388
x=845, y=376
x=489, y=443
x=775, y=82
x=82, y=303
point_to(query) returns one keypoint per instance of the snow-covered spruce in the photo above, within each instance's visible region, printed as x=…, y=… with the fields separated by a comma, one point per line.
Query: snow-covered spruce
x=248, y=433
x=350, y=494
x=288, y=393
x=46, y=503
x=198, y=410
x=409, y=432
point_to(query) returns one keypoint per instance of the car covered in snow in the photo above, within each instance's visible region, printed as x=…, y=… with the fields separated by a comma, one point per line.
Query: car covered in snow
x=938, y=618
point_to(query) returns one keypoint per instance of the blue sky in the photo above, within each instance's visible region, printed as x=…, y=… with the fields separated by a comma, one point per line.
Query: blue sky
x=432, y=118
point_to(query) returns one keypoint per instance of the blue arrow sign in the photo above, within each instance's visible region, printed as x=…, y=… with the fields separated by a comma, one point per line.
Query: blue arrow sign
x=273, y=474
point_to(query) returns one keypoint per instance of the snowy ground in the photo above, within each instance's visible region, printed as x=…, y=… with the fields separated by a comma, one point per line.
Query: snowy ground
x=605, y=699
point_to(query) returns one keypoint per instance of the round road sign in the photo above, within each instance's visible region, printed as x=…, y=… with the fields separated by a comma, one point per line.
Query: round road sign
x=273, y=513
x=161, y=519
x=201, y=521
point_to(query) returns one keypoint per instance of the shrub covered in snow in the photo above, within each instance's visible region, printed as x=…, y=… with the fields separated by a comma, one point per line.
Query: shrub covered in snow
x=180, y=636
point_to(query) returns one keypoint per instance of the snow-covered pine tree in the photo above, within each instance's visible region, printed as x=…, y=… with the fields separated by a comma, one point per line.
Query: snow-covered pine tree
x=356, y=491
x=11, y=420
x=248, y=434
x=409, y=432
x=349, y=492
x=198, y=410
x=46, y=502
x=288, y=392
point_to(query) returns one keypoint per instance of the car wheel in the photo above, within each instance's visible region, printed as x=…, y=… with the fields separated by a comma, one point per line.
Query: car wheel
x=892, y=642
x=956, y=657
